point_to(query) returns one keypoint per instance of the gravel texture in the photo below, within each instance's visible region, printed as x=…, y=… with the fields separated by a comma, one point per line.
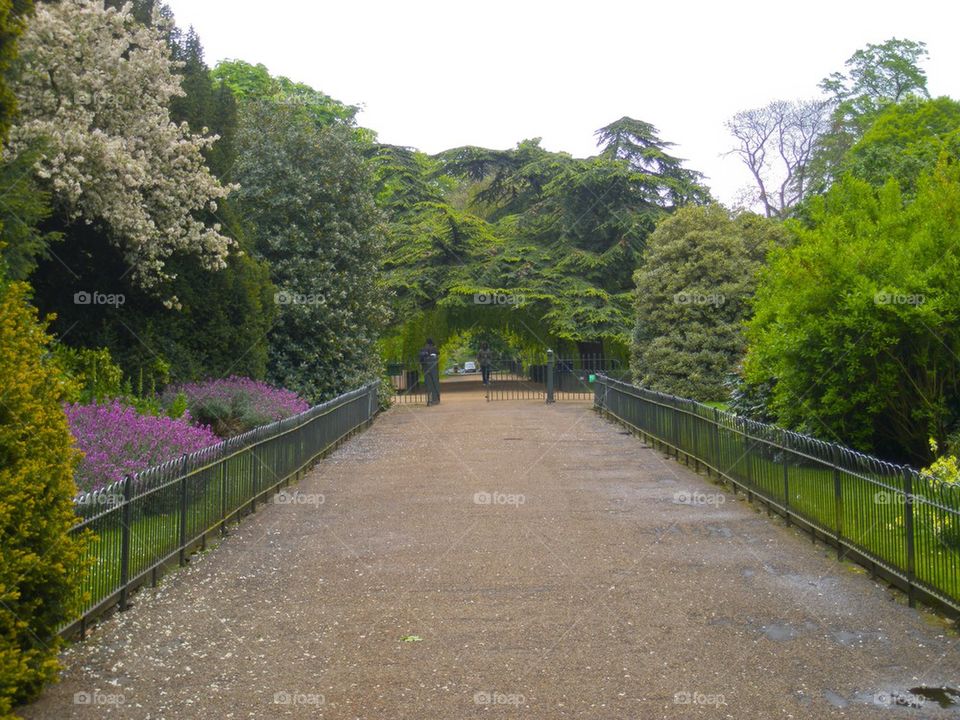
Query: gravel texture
x=509, y=559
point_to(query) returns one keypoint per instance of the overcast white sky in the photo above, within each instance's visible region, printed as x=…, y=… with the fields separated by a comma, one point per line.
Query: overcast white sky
x=439, y=74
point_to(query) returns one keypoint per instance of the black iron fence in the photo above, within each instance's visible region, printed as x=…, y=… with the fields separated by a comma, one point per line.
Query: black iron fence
x=547, y=377
x=414, y=382
x=156, y=517
x=898, y=522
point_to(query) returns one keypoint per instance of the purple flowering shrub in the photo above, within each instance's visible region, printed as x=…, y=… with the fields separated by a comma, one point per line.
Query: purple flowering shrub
x=234, y=405
x=117, y=440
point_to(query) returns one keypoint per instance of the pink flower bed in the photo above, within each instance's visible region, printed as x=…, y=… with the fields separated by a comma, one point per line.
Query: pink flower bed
x=266, y=401
x=117, y=440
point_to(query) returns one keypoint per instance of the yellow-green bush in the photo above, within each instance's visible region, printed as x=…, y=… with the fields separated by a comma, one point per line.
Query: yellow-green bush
x=40, y=564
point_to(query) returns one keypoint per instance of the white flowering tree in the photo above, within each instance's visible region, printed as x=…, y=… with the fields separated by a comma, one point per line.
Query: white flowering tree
x=94, y=88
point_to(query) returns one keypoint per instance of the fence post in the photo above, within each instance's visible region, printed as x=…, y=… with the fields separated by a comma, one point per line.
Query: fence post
x=183, y=510
x=222, y=470
x=125, y=541
x=550, y=361
x=717, y=450
x=676, y=430
x=786, y=481
x=908, y=528
x=838, y=499
x=431, y=377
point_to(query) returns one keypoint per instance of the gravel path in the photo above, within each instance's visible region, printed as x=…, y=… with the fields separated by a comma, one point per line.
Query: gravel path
x=509, y=559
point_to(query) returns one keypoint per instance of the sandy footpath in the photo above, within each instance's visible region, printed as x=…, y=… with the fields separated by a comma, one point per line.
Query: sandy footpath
x=509, y=559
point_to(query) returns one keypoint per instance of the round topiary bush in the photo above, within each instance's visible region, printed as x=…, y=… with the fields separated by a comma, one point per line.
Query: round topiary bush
x=41, y=564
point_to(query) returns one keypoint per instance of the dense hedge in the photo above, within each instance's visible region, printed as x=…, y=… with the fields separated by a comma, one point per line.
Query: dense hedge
x=40, y=563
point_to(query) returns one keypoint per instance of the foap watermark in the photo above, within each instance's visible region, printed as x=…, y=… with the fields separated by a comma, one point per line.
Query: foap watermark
x=285, y=297
x=498, y=498
x=889, y=298
x=685, y=697
x=890, y=497
x=498, y=298
x=295, y=497
x=688, y=297
x=99, y=499
x=689, y=497
x=899, y=698
x=84, y=297
x=98, y=698
x=283, y=697
x=494, y=697
x=98, y=100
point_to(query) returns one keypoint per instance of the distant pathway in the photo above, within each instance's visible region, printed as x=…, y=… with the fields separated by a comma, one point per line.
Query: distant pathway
x=586, y=588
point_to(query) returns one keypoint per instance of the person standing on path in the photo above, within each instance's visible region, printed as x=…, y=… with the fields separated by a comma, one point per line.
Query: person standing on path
x=429, y=357
x=485, y=359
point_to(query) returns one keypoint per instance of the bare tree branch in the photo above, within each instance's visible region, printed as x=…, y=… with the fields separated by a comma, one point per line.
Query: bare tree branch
x=776, y=143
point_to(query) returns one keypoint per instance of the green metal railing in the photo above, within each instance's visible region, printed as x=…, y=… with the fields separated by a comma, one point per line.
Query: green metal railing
x=898, y=522
x=156, y=517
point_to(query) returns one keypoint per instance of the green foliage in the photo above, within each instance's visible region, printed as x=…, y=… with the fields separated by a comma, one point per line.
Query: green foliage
x=905, y=141
x=879, y=74
x=307, y=192
x=13, y=19
x=41, y=564
x=564, y=235
x=220, y=329
x=228, y=416
x=875, y=77
x=693, y=294
x=24, y=206
x=224, y=316
x=254, y=82
x=637, y=142
x=403, y=178
x=96, y=376
x=856, y=322
x=430, y=249
x=942, y=473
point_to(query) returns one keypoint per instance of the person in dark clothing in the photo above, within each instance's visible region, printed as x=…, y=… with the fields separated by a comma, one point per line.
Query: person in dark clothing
x=485, y=359
x=427, y=350
x=429, y=356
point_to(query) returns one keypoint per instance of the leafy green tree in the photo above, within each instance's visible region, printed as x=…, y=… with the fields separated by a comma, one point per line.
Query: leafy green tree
x=693, y=294
x=878, y=75
x=308, y=193
x=874, y=78
x=571, y=231
x=254, y=82
x=24, y=209
x=855, y=322
x=430, y=252
x=905, y=141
